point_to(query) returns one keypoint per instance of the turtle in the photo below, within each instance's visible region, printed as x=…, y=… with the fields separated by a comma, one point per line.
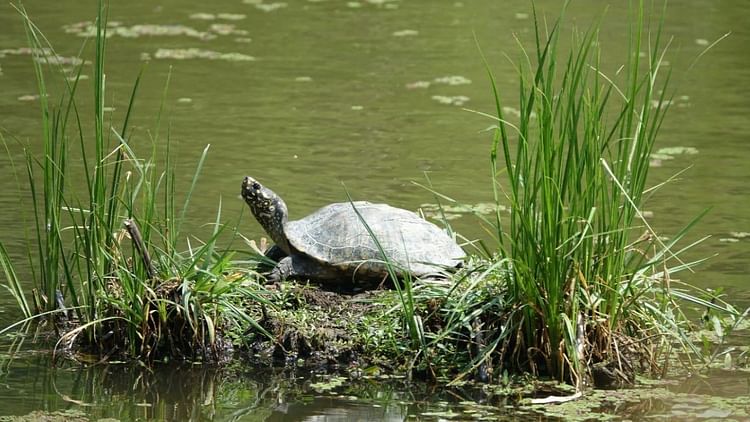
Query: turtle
x=334, y=245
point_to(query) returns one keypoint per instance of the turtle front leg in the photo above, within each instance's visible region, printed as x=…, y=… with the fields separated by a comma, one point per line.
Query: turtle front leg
x=282, y=271
x=301, y=267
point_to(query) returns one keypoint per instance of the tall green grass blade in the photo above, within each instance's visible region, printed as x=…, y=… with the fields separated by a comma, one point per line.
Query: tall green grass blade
x=13, y=283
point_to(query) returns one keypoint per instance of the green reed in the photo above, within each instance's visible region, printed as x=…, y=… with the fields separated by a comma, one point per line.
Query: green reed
x=575, y=165
x=577, y=276
x=130, y=287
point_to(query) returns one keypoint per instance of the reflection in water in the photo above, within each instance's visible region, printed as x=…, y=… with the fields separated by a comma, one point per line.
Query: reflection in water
x=194, y=392
x=178, y=392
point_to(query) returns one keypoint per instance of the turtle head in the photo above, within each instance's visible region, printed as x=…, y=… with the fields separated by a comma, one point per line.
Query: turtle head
x=268, y=208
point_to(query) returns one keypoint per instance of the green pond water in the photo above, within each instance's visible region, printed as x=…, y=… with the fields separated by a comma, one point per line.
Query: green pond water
x=309, y=96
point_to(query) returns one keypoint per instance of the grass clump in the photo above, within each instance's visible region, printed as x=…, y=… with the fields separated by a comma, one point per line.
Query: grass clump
x=108, y=264
x=578, y=286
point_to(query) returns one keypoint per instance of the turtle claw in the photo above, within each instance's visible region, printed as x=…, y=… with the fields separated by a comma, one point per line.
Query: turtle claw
x=274, y=277
x=281, y=271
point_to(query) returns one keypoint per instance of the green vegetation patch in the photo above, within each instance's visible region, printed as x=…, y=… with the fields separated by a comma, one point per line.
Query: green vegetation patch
x=572, y=284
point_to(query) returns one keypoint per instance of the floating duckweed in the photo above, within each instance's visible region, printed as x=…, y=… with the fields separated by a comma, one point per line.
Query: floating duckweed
x=70, y=415
x=728, y=240
x=224, y=16
x=739, y=235
x=418, y=84
x=203, y=16
x=244, y=40
x=88, y=29
x=660, y=157
x=231, y=16
x=670, y=152
x=332, y=383
x=385, y=3
x=457, y=100
x=452, y=212
x=452, y=80
x=357, y=107
x=28, y=98
x=59, y=60
x=448, y=414
x=303, y=79
x=354, y=4
x=73, y=78
x=522, y=16
x=197, y=53
x=184, y=100
x=702, y=41
x=661, y=104
x=678, y=150
x=42, y=55
x=405, y=33
x=226, y=29
x=515, y=112
x=266, y=7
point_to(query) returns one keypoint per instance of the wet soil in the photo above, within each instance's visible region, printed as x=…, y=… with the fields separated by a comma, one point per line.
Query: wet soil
x=315, y=328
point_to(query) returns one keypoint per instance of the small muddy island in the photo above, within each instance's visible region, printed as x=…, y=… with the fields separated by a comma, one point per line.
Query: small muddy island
x=552, y=293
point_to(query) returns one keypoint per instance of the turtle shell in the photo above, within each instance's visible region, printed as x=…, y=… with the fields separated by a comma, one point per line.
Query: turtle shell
x=334, y=235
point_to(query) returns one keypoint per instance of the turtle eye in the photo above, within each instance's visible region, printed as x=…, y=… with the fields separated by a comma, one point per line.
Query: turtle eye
x=256, y=186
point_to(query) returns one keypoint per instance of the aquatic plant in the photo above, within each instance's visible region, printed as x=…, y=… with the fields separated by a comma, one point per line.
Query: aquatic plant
x=109, y=263
x=577, y=286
